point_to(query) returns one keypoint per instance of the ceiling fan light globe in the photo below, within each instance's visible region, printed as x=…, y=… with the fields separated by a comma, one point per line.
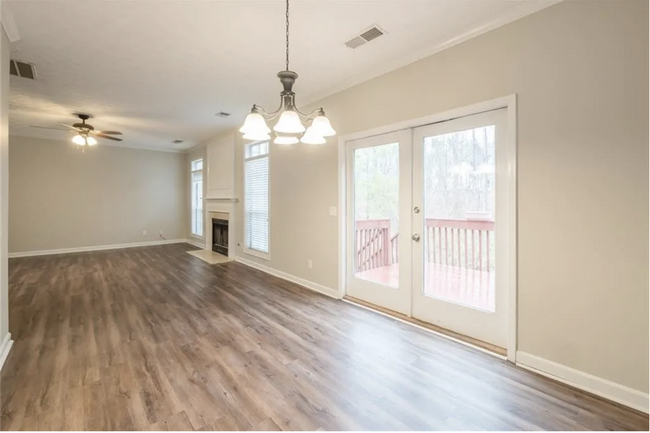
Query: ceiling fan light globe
x=312, y=136
x=285, y=140
x=254, y=124
x=78, y=140
x=91, y=141
x=323, y=127
x=289, y=123
x=257, y=136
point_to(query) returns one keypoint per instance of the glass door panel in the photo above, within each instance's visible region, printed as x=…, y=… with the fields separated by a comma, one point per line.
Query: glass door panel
x=376, y=210
x=458, y=196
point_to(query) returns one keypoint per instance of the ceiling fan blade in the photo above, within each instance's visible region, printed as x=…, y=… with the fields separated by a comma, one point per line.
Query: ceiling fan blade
x=70, y=126
x=106, y=132
x=47, y=127
x=108, y=137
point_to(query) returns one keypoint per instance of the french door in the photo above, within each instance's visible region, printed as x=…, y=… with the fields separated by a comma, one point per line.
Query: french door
x=426, y=208
x=458, y=194
x=379, y=188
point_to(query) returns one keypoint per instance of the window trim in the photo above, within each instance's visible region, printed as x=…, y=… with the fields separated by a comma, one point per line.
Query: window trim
x=192, y=171
x=245, y=249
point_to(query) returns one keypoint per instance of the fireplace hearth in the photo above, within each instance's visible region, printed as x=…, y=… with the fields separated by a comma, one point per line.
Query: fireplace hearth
x=220, y=236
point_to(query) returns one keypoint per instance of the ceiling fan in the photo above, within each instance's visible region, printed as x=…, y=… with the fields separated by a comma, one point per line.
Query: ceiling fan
x=86, y=133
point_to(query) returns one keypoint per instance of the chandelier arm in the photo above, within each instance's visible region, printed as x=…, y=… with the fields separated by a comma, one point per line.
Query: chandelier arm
x=266, y=114
x=309, y=116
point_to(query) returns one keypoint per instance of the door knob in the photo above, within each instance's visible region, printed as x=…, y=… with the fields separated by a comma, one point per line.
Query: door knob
x=416, y=237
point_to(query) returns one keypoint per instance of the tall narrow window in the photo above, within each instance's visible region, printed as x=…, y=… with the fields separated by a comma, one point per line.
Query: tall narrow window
x=197, y=197
x=256, y=198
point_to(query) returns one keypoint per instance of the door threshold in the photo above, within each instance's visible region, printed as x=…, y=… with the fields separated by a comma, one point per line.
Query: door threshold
x=488, y=348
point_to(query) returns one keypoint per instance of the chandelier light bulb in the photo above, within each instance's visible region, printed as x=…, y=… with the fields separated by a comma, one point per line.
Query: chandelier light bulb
x=283, y=139
x=312, y=136
x=289, y=123
x=78, y=140
x=255, y=124
x=322, y=126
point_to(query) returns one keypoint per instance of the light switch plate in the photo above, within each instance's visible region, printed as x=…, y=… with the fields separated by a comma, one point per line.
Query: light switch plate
x=333, y=211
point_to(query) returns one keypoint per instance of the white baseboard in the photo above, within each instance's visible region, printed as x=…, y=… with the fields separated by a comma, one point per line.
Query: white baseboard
x=300, y=281
x=95, y=248
x=196, y=242
x=5, y=347
x=595, y=385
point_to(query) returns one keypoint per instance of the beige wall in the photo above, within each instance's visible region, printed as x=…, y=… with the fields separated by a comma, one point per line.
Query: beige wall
x=580, y=70
x=60, y=197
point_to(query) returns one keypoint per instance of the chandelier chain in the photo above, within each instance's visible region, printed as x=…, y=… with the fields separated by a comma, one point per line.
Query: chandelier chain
x=287, y=34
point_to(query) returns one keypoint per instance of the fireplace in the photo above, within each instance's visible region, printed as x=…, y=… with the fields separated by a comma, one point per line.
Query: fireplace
x=220, y=236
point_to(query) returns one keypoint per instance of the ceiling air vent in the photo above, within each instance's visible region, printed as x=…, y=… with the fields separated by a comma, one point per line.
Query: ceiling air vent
x=366, y=36
x=21, y=69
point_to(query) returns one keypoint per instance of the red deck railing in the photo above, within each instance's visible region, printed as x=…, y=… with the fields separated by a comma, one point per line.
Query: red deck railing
x=373, y=242
x=462, y=243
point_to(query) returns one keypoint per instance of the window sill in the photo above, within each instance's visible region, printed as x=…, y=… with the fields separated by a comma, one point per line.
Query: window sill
x=258, y=254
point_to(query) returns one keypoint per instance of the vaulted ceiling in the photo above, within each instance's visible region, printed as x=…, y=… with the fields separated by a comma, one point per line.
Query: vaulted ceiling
x=161, y=70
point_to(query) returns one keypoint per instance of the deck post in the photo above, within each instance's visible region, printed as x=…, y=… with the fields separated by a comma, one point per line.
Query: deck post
x=386, y=245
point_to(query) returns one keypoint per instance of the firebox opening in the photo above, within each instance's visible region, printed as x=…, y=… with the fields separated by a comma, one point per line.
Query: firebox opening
x=220, y=236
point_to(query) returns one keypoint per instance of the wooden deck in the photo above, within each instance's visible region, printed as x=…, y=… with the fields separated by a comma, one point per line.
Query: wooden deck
x=456, y=284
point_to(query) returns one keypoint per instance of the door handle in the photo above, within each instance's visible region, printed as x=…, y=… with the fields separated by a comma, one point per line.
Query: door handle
x=416, y=237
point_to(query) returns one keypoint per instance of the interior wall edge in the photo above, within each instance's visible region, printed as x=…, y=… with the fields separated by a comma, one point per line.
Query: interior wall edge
x=96, y=248
x=196, y=242
x=587, y=382
x=332, y=293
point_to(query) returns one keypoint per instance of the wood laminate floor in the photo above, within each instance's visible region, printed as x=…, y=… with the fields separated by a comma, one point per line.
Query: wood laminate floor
x=154, y=338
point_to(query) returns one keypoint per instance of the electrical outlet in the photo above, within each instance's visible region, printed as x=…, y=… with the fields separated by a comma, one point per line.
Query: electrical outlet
x=310, y=264
x=333, y=211
x=144, y=233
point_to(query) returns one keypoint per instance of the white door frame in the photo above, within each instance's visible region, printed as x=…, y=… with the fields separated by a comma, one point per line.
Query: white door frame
x=509, y=102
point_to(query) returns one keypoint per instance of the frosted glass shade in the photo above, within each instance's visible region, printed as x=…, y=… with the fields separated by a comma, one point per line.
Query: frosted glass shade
x=289, y=123
x=78, y=140
x=254, y=124
x=257, y=136
x=285, y=140
x=91, y=141
x=323, y=127
x=312, y=137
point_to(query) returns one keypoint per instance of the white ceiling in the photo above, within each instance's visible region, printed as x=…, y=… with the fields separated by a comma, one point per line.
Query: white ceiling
x=160, y=70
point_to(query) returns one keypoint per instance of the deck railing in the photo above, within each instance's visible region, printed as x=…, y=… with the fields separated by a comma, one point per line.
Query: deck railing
x=373, y=242
x=462, y=243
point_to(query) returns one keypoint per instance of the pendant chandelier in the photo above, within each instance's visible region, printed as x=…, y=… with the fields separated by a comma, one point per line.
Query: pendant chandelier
x=293, y=125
